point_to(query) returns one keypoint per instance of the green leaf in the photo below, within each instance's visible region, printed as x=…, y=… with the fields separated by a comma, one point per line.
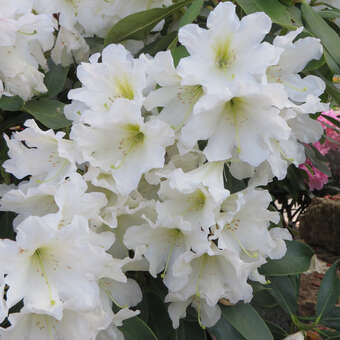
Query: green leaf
x=159, y=319
x=332, y=90
x=247, y=322
x=11, y=103
x=161, y=44
x=330, y=13
x=6, y=225
x=332, y=320
x=178, y=53
x=332, y=120
x=191, y=13
x=296, y=261
x=318, y=160
x=138, y=25
x=285, y=291
x=333, y=66
x=329, y=292
x=136, y=328
x=274, y=9
x=224, y=330
x=49, y=112
x=190, y=331
x=319, y=27
x=55, y=79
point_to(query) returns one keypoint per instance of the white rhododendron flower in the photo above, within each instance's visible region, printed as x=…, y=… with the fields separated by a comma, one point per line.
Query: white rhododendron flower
x=118, y=76
x=42, y=255
x=294, y=59
x=138, y=189
x=44, y=155
x=24, y=38
x=121, y=143
x=223, y=64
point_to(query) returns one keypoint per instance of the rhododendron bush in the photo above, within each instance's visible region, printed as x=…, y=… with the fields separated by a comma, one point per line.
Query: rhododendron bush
x=125, y=126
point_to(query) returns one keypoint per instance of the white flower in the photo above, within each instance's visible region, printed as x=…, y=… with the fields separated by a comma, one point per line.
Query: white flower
x=229, y=53
x=66, y=201
x=45, y=155
x=293, y=60
x=23, y=41
x=186, y=198
x=32, y=324
x=164, y=245
x=213, y=276
x=121, y=143
x=178, y=101
x=112, y=332
x=207, y=315
x=118, y=76
x=243, y=125
x=243, y=226
x=48, y=268
x=70, y=46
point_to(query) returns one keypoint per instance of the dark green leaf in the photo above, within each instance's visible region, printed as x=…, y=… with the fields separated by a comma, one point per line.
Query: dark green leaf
x=332, y=120
x=329, y=292
x=11, y=103
x=332, y=90
x=296, y=261
x=284, y=290
x=6, y=225
x=178, y=53
x=49, y=112
x=231, y=183
x=161, y=44
x=318, y=160
x=330, y=13
x=224, y=330
x=333, y=66
x=249, y=6
x=159, y=319
x=191, y=13
x=332, y=319
x=319, y=27
x=274, y=9
x=138, y=25
x=136, y=328
x=245, y=319
x=190, y=331
x=55, y=79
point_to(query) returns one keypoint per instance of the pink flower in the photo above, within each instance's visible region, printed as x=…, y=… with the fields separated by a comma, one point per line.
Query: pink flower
x=316, y=178
x=332, y=134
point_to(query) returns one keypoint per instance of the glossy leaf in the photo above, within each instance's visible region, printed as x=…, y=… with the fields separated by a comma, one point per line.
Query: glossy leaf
x=247, y=322
x=285, y=291
x=329, y=292
x=159, y=320
x=296, y=261
x=14, y=103
x=136, y=328
x=161, y=44
x=191, y=13
x=224, y=330
x=55, y=79
x=178, y=53
x=190, y=331
x=274, y=9
x=319, y=27
x=138, y=25
x=49, y=112
x=332, y=320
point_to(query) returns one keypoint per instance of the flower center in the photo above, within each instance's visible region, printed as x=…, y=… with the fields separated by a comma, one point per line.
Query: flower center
x=38, y=257
x=224, y=55
x=124, y=88
x=196, y=200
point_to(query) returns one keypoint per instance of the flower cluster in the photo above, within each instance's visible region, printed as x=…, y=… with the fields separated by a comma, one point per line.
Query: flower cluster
x=139, y=185
x=29, y=28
